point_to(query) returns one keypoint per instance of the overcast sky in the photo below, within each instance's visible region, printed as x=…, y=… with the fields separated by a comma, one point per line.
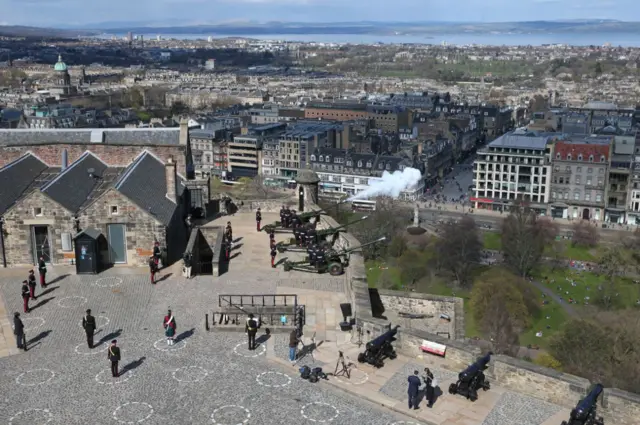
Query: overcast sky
x=180, y=12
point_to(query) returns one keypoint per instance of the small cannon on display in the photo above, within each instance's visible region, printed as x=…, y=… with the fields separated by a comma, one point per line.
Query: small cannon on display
x=472, y=379
x=585, y=411
x=379, y=349
x=334, y=262
x=304, y=218
x=322, y=236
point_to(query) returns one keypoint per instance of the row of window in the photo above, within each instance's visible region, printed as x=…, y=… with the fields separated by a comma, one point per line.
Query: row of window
x=577, y=180
x=576, y=196
x=567, y=169
x=569, y=157
x=349, y=162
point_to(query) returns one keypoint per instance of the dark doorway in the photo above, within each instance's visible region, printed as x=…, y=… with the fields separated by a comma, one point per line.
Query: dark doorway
x=301, y=198
x=585, y=214
x=41, y=248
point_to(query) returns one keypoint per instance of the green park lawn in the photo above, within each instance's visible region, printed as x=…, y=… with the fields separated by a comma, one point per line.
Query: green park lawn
x=586, y=285
x=493, y=241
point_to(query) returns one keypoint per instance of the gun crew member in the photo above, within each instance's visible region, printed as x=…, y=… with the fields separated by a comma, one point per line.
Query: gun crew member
x=251, y=328
x=287, y=217
x=258, y=219
x=113, y=354
x=89, y=325
x=320, y=255
x=310, y=235
x=274, y=252
x=32, y=285
x=282, y=214
x=25, y=296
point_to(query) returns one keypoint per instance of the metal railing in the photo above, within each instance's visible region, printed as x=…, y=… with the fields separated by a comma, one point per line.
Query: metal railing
x=261, y=300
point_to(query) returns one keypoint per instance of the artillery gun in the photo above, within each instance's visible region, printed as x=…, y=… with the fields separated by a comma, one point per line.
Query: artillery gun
x=304, y=217
x=322, y=237
x=334, y=261
x=585, y=412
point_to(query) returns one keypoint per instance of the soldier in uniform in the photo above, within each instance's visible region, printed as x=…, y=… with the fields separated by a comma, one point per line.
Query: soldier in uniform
x=320, y=256
x=311, y=250
x=272, y=238
x=18, y=331
x=25, y=296
x=89, y=325
x=156, y=253
x=32, y=285
x=251, y=328
x=287, y=217
x=153, y=268
x=229, y=232
x=42, y=269
x=274, y=252
x=113, y=354
x=258, y=219
x=282, y=213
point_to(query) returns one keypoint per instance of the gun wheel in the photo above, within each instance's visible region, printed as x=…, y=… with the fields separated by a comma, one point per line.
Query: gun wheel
x=335, y=269
x=361, y=358
x=452, y=389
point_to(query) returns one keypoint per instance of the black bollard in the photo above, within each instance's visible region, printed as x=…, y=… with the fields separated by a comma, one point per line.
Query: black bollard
x=206, y=321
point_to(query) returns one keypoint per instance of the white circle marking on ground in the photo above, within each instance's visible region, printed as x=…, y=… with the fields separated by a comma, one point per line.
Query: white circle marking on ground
x=304, y=415
x=179, y=345
x=95, y=351
x=47, y=416
x=260, y=351
x=132, y=403
x=260, y=379
x=108, y=282
x=106, y=319
x=23, y=375
x=231, y=406
x=119, y=380
x=62, y=304
x=353, y=381
x=204, y=373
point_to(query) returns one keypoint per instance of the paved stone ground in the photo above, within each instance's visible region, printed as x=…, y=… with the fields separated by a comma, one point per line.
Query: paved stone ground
x=59, y=381
x=515, y=408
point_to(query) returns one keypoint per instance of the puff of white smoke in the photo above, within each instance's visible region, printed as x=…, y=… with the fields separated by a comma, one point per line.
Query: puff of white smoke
x=391, y=184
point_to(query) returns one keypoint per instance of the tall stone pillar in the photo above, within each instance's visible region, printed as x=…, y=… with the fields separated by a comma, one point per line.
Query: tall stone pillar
x=307, y=189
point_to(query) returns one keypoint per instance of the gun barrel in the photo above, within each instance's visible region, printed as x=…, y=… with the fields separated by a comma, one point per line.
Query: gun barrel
x=382, y=338
x=589, y=402
x=342, y=226
x=477, y=366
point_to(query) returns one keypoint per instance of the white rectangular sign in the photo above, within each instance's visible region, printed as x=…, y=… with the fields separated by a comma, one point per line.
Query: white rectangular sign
x=433, y=348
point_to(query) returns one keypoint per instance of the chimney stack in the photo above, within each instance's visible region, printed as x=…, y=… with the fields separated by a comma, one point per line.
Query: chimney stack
x=184, y=131
x=171, y=177
x=420, y=147
x=65, y=160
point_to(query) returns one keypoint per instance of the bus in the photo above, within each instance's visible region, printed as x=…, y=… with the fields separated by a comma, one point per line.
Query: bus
x=363, y=205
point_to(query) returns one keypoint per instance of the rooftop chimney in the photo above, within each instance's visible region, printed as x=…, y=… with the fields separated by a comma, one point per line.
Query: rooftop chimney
x=65, y=160
x=420, y=147
x=184, y=131
x=171, y=177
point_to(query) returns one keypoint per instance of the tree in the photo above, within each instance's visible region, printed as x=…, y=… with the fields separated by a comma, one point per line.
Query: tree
x=547, y=360
x=598, y=69
x=584, y=234
x=178, y=108
x=397, y=247
x=498, y=305
x=412, y=268
x=523, y=240
x=459, y=249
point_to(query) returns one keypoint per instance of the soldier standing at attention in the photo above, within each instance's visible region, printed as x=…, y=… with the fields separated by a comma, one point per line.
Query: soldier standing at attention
x=274, y=252
x=153, y=269
x=169, y=323
x=282, y=218
x=42, y=269
x=252, y=329
x=32, y=285
x=25, y=296
x=89, y=325
x=287, y=217
x=258, y=219
x=272, y=238
x=18, y=331
x=113, y=354
x=156, y=253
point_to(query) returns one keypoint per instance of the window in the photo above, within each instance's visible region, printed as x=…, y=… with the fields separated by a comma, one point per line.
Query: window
x=349, y=163
x=598, y=197
x=602, y=171
x=113, y=209
x=388, y=167
x=553, y=195
x=602, y=158
x=587, y=196
x=568, y=169
x=67, y=245
x=580, y=157
x=600, y=182
x=590, y=170
x=568, y=157
x=328, y=158
x=381, y=165
x=577, y=179
x=566, y=195
x=579, y=169
x=590, y=158
x=313, y=157
x=321, y=158
x=360, y=164
x=37, y=212
x=576, y=196
x=558, y=156
x=369, y=165
x=588, y=181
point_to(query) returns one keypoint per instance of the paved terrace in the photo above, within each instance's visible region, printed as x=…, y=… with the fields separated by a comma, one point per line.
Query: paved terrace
x=210, y=377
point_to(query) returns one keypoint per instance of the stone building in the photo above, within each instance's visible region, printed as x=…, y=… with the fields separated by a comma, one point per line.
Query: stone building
x=44, y=207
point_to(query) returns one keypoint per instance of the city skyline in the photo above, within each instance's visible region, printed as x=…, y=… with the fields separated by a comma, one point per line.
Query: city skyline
x=65, y=13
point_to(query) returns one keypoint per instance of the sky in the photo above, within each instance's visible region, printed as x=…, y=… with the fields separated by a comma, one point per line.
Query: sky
x=62, y=13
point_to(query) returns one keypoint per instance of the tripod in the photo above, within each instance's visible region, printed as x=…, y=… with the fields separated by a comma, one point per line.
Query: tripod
x=344, y=368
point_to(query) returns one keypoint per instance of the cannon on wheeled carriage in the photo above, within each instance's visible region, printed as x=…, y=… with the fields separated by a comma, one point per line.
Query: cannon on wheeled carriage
x=379, y=348
x=472, y=379
x=333, y=262
x=304, y=218
x=585, y=411
x=323, y=236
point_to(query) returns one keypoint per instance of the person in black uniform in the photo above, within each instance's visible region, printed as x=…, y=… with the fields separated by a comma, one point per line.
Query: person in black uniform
x=18, y=331
x=312, y=255
x=320, y=256
x=274, y=252
x=272, y=238
x=229, y=232
x=32, y=285
x=25, y=296
x=287, y=217
x=89, y=325
x=113, y=354
x=42, y=269
x=311, y=235
x=251, y=328
x=413, y=390
x=282, y=216
x=258, y=219
x=156, y=253
x=153, y=269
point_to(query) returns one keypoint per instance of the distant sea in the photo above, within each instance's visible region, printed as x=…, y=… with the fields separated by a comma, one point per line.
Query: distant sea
x=575, y=39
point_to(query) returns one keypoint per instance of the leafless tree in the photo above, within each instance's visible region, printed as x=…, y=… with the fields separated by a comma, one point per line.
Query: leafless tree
x=459, y=249
x=523, y=240
x=584, y=234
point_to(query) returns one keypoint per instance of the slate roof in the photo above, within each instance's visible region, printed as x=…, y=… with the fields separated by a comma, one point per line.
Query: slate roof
x=144, y=183
x=112, y=136
x=17, y=177
x=75, y=187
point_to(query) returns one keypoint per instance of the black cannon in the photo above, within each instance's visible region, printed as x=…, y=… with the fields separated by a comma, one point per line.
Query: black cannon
x=585, y=411
x=472, y=379
x=327, y=236
x=304, y=217
x=379, y=349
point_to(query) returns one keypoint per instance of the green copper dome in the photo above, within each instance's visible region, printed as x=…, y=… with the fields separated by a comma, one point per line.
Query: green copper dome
x=60, y=66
